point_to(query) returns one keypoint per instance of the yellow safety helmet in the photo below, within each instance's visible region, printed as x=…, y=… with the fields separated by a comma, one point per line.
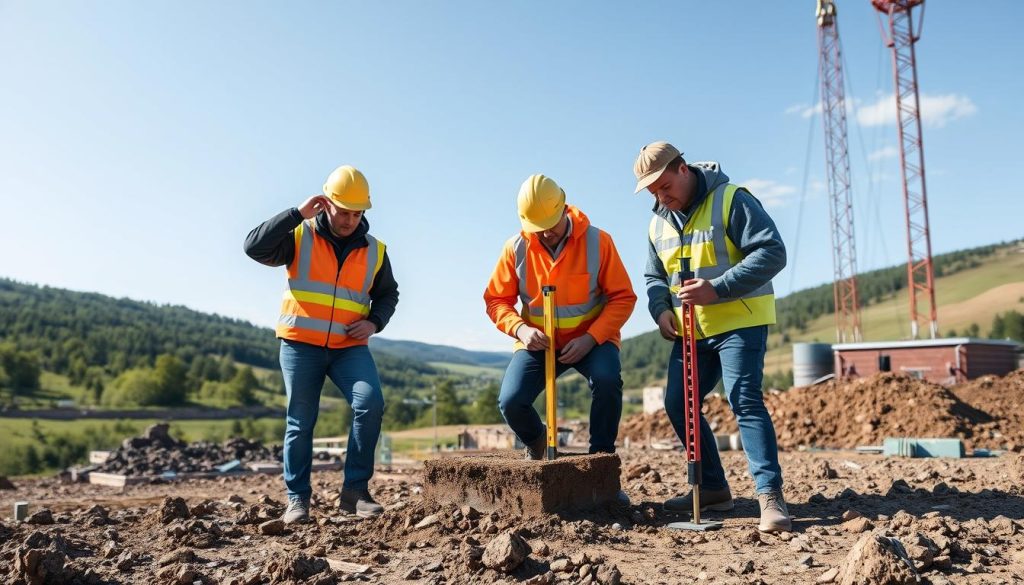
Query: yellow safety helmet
x=541, y=203
x=348, y=189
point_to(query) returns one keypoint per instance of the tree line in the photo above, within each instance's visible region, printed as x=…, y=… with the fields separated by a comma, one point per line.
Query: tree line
x=132, y=353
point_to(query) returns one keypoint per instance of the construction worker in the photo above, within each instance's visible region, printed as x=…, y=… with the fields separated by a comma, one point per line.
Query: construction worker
x=558, y=246
x=712, y=245
x=340, y=292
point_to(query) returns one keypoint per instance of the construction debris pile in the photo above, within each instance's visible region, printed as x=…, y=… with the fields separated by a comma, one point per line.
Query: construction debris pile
x=156, y=451
x=985, y=413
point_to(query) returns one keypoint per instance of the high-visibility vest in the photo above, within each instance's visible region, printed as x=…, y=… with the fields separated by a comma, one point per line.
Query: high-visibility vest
x=322, y=298
x=578, y=298
x=711, y=253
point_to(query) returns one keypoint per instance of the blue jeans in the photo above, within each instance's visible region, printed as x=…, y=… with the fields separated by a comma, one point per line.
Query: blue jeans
x=524, y=381
x=353, y=371
x=737, y=358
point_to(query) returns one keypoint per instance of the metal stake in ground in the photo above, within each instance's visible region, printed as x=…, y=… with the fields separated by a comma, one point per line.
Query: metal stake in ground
x=691, y=418
x=551, y=393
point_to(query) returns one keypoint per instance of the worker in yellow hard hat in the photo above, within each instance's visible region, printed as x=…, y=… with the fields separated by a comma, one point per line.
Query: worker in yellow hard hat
x=340, y=292
x=559, y=247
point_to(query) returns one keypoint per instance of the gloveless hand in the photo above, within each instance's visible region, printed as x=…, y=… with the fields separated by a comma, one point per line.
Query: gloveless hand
x=314, y=205
x=577, y=349
x=667, y=325
x=534, y=339
x=697, y=291
x=361, y=329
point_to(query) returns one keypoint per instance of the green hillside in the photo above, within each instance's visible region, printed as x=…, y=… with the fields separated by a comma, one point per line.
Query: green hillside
x=58, y=344
x=972, y=286
x=439, y=353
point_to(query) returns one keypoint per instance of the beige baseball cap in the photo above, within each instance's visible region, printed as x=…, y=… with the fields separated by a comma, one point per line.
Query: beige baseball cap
x=651, y=162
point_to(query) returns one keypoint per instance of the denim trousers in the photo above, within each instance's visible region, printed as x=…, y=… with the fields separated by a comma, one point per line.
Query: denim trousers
x=737, y=359
x=354, y=372
x=524, y=382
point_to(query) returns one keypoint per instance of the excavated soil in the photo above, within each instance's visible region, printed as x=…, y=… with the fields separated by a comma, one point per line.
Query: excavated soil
x=1003, y=399
x=858, y=518
x=958, y=521
x=986, y=413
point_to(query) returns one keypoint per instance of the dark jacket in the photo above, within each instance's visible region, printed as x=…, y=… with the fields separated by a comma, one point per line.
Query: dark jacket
x=273, y=243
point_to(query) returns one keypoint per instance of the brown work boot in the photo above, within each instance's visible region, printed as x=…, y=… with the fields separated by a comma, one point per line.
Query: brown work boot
x=714, y=500
x=774, y=514
x=535, y=449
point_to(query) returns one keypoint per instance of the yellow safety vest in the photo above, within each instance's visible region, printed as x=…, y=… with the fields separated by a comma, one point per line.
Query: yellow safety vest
x=711, y=253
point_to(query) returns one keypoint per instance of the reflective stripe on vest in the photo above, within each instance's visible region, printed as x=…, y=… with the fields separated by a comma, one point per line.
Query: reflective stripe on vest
x=567, y=316
x=337, y=299
x=711, y=254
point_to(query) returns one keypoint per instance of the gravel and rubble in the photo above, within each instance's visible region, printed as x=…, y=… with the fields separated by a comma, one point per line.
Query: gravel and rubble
x=858, y=518
x=957, y=521
x=156, y=451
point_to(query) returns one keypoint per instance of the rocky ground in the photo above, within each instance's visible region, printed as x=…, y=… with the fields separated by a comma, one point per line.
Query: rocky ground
x=859, y=518
x=856, y=515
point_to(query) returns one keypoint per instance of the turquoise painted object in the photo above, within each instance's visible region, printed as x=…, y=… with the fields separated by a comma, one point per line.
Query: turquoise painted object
x=911, y=447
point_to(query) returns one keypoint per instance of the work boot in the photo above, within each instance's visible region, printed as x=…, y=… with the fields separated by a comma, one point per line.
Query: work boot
x=297, y=510
x=360, y=503
x=714, y=500
x=536, y=449
x=774, y=514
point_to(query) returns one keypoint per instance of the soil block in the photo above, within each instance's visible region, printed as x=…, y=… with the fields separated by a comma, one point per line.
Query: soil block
x=506, y=482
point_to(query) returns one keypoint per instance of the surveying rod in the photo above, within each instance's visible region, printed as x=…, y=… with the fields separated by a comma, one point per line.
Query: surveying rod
x=551, y=393
x=691, y=406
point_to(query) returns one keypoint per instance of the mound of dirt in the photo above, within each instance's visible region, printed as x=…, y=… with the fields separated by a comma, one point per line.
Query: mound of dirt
x=845, y=414
x=865, y=411
x=1003, y=399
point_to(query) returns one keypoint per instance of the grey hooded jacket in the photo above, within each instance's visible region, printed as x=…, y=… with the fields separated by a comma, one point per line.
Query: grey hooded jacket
x=751, y=229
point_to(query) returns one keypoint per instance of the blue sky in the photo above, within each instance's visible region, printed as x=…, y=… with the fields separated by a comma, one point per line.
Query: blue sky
x=141, y=141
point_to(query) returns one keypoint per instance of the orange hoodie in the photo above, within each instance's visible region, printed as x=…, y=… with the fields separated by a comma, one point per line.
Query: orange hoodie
x=610, y=293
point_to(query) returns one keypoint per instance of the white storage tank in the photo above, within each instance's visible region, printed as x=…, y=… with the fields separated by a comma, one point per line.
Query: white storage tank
x=810, y=362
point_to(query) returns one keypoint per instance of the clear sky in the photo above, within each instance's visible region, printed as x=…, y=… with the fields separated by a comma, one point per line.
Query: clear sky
x=141, y=141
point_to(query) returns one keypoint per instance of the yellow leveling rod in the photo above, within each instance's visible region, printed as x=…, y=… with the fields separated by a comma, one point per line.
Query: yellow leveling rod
x=549, y=372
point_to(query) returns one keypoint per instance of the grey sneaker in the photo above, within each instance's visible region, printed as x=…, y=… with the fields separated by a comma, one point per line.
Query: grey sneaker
x=714, y=500
x=537, y=449
x=297, y=510
x=774, y=514
x=360, y=503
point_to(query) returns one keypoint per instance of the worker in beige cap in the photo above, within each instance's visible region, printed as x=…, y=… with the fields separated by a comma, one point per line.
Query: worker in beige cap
x=712, y=245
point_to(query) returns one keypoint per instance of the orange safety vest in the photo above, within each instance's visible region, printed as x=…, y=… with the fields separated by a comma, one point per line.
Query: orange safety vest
x=578, y=297
x=322, y=298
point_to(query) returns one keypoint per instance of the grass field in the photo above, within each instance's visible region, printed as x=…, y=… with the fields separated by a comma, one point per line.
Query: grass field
x=469, y=370
x=19, y=432
x=975, y=295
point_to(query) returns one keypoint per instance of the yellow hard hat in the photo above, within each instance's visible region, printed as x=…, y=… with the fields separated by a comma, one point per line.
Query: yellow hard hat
x=541, y=203
x=348, y=189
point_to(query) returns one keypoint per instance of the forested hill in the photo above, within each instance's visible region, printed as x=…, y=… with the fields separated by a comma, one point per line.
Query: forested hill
x=439, y=353
x=92, y=339
x=67, y=328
